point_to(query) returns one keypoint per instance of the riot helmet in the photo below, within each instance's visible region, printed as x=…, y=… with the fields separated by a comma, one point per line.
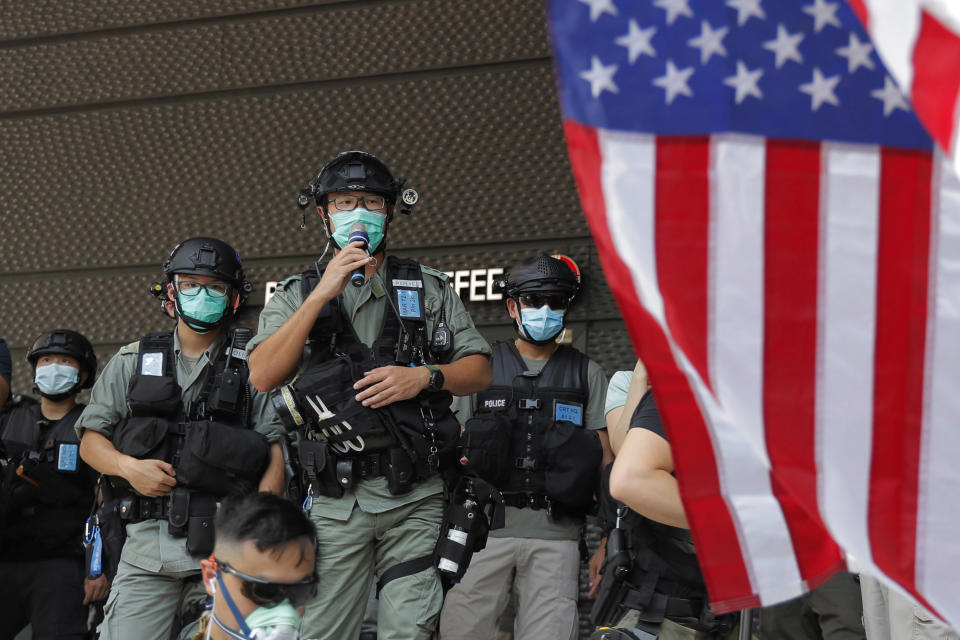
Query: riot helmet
x=202, y=308
x=69, y=343
x=357, y=171
x=543, y=319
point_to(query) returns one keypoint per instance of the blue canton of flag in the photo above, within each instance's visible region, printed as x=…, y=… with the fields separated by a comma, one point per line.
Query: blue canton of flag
x=781, y=69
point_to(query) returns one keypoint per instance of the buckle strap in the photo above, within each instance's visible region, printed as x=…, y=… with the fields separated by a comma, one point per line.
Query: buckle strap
x=141, y=508
x=403, y=570
x=533, y=501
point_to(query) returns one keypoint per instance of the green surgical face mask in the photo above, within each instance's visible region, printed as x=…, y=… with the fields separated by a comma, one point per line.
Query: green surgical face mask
x=374, y=222
x=201, y=307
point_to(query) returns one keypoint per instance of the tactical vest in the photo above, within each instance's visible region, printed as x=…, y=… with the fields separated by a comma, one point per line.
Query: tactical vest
x=423, y=428
x=210, y=444
x=552, y=454
x=47, y=502
x=666, y=552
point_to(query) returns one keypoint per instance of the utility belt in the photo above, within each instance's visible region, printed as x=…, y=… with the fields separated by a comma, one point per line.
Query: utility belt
x=189, y=514
x=535, y=501
x=330, y=473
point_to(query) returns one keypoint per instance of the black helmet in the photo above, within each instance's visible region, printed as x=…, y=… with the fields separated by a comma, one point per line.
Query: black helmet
x=540, y=273
x=205, y=257
x=70, y=343
x=355, y=171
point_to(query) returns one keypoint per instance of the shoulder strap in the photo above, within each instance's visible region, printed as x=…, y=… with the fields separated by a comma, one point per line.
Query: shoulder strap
x=158, y=342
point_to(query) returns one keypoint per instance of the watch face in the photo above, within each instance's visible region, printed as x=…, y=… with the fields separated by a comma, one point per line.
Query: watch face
x=436, y=380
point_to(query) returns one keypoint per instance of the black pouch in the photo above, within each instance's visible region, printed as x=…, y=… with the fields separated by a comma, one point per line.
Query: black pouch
x=179, y=512
x=113, y=533
x=573, y=457
x=220, y=459
x=142, y=437
x=400, y=475
x=318, y=462
x=486, y=447
x=203, y=509
x=153, y=395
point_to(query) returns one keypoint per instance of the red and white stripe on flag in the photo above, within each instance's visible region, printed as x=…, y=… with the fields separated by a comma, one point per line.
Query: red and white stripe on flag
x=919, y=42
x=798, y=307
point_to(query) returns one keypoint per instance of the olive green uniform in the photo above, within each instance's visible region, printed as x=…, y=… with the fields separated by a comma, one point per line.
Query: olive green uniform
x=537, y=553
x=155, y=568
x=368, y=530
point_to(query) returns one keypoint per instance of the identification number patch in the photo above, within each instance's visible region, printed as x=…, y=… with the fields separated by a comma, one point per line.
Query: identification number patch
x=67, y=457
x=571, y=412
x=151, y=364
x=408, y=303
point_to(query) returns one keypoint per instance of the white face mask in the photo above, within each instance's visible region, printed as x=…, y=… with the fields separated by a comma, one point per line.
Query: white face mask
x=279, y=622
x=54, y=378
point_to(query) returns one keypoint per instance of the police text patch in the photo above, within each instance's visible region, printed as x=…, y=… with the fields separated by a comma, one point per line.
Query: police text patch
x=568, y=412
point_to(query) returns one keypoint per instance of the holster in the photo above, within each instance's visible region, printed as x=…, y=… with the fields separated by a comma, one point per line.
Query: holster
x=608, y=607
x=319, y=465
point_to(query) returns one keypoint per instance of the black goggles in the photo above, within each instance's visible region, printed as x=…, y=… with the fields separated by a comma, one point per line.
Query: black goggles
x=267, y=594
x=555, y=301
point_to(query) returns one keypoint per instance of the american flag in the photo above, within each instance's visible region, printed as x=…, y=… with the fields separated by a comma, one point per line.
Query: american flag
x=783, y=240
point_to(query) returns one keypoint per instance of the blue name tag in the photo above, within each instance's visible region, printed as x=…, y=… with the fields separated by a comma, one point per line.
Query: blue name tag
x=408, y=303
x=568, y=412
x=67, y=457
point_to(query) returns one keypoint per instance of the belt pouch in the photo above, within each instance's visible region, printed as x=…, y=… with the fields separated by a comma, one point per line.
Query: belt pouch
x=203, y=508
x=179, y=512
x=347, y=473
x=320, y=464
x=399, y=471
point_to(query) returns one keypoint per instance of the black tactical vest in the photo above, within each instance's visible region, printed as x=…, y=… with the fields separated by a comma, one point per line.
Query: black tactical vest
x=666, y=553
x=552, y=453
x=210, y=444
x=47, y=502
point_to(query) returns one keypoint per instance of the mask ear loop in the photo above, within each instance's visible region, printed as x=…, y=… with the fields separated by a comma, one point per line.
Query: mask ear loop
x=244, y=629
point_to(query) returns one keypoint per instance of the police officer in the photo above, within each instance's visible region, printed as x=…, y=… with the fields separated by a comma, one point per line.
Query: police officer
x=388, y=353
x=176, y=426
x=46, y=494
x=651, y=584
x=553, y=396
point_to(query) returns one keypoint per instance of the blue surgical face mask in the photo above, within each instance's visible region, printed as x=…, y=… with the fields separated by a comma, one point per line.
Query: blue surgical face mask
x=54, y=379
x=202, y=307
x=541, y=324
x=375, y=223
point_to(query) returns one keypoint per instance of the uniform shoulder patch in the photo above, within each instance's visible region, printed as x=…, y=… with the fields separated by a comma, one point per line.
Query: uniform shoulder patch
x=133, y=347
x=434, y=272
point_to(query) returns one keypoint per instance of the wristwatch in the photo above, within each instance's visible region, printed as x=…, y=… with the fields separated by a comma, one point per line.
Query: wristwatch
x=436, y=378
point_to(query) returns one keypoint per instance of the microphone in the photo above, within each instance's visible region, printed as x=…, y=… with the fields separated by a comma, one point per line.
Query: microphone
x=358, y=232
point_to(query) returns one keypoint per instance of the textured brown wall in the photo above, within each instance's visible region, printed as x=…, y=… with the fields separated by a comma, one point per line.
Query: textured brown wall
x=128, y=125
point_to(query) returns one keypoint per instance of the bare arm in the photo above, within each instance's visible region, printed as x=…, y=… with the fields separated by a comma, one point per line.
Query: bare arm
x=151, y=478
x=277, y=357
x=638, y=387
x=385, y=385
x=272, y=479
x=641, y=478
x=4, y=391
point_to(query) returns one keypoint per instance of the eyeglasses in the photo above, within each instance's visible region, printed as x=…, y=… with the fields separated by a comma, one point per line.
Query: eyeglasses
x=267, y=594
x=371, y=202
x=190, y=288
x=556, y=301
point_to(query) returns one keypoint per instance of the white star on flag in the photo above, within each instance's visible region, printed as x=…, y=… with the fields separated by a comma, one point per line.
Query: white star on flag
x=823, y=13
x=820, y=89
x=857, y=54
x=674, y=8
x=746, y=9
x=637, y=41
x=600, y=77
x=600, y=7
x=709, y=41
x=785, y=46
x=674, y=82
x=891, y=97
x=745, y=82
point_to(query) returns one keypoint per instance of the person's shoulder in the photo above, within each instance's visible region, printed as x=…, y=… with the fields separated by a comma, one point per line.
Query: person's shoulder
x=289, y=282
x=436, y=273
x=129, y=349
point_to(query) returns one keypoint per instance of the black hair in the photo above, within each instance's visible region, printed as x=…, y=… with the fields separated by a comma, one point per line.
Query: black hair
x=268, y=520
